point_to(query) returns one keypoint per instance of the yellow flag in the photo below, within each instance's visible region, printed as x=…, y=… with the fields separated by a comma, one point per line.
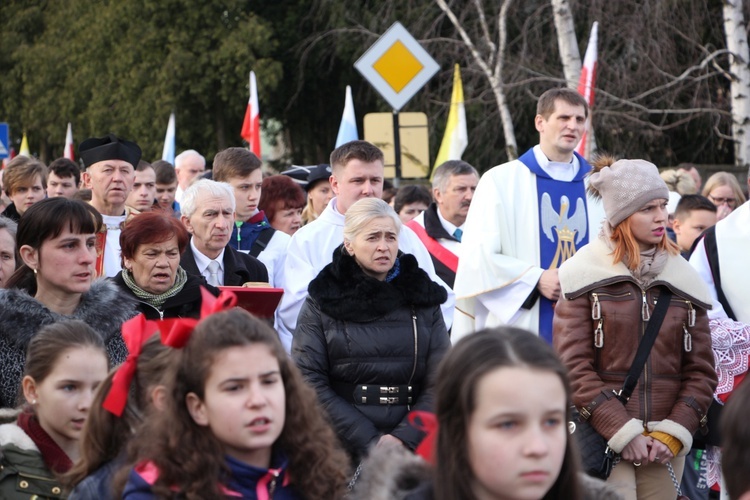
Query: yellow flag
x=24, y=146
x=456, y=136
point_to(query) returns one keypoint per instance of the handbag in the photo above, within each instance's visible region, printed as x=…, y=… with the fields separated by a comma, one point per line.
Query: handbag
x=597, y=458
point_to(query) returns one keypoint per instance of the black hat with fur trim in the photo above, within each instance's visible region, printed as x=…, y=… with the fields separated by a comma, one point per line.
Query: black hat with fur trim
x=110, y=147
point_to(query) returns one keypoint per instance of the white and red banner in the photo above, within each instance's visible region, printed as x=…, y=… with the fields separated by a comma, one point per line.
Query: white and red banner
x=586, y=87
x=69, y=151
x=251, y=124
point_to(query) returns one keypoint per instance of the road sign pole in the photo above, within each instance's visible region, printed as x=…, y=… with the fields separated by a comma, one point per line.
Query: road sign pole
x=396, y=149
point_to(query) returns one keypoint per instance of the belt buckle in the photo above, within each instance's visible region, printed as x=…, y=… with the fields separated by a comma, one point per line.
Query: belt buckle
x=389, y=401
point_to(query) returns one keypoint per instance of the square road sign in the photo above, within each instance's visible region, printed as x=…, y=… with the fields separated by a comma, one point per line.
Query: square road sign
x=397, y=66
x=4, y=138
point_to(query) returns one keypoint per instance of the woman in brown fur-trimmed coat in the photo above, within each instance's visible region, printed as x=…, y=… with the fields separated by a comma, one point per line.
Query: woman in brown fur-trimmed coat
x=610, y=288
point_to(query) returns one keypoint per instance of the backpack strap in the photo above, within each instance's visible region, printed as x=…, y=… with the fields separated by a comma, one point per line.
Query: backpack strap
x=261, y=242
x=712, y=254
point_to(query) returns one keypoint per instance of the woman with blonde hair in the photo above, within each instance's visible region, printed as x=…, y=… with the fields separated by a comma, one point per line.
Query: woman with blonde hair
x=723, y=189
x=610, y=289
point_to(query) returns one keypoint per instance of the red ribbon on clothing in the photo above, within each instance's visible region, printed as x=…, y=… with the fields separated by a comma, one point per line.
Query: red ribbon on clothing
x=175, y=332
x=135, y=332
x=425, y=422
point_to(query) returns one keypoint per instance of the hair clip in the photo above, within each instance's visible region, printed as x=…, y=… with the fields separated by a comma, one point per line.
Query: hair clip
x=426, y=422
x=135, y=332
x=175, y=332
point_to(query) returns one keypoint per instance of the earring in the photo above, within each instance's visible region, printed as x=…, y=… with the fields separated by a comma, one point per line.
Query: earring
x=35, y=271
x=33, y=401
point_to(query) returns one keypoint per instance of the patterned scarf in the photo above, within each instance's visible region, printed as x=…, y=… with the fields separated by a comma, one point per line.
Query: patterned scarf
x=156, y=301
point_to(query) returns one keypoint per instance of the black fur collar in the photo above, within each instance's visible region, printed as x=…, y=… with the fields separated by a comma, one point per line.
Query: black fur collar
x=343, y=291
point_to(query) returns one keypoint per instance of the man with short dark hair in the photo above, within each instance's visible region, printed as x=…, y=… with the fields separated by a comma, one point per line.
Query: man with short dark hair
x=526, y=218
x=166, y=186
x=110, y=172
x=440, y=227
x=693, y=215
x=252, y=233
x=63, y=178
x=142, y=196
x=357, y=172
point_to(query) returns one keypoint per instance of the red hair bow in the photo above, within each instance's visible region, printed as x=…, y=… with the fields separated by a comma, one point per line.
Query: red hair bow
x=425, y=422
x=135, y=331
x=175, y=332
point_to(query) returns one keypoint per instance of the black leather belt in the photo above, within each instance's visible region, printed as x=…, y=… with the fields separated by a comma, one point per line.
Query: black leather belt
x=375, y=394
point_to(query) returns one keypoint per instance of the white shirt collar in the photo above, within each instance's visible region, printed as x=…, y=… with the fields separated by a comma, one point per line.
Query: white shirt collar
x=559, y=171
x=447, y=225
x=202, y=261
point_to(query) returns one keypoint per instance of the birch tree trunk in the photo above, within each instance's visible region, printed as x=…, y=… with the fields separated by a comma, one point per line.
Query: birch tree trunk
x=491, y=64
x=567, y=41
x=739, y=69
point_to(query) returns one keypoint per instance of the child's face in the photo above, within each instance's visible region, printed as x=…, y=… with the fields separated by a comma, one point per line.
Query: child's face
x=517, y=434
x=244, y=403
x=62, y=400
x=690, y=227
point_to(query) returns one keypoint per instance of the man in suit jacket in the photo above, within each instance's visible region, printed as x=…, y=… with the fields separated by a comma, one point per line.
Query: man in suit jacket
x=208, y=213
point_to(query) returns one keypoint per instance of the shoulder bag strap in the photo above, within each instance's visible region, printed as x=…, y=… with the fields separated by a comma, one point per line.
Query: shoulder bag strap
x=712, y=255
x=644, y=347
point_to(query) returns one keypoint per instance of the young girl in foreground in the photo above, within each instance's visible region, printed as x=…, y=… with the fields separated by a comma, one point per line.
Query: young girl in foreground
x=502, y=413
x=239, y=422
x=106, y=434
x=65, y=363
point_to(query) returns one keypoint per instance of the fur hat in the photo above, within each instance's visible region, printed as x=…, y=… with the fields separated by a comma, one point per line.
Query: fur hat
x=625, y=186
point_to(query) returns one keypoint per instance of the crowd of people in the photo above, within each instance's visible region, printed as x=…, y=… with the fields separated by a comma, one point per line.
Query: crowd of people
x=430, y=343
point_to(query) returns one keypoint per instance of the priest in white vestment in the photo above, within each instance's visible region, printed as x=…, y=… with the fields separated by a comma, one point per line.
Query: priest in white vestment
x=527, y=217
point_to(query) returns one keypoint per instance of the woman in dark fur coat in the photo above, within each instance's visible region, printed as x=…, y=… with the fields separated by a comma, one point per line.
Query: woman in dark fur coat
x=56, y=241
x=370, y=334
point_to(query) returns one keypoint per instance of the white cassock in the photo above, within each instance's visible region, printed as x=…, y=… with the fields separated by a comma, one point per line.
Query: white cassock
x=733, y=245
x=311, y=249
x=500, y=262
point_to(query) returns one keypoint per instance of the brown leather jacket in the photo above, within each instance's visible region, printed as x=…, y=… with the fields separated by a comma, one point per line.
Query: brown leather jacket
x=597, y=328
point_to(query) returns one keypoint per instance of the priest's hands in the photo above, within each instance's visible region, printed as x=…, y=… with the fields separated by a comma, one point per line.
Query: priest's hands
x=549, y=284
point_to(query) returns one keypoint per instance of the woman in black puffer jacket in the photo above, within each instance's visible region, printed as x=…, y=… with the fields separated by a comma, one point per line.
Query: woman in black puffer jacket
x=370, y=334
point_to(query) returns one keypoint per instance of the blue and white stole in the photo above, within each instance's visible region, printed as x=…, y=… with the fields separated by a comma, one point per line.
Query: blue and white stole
x=563, y=227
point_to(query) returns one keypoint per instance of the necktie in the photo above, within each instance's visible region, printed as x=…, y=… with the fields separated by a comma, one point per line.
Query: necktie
x=213, y=273
x=457, y=234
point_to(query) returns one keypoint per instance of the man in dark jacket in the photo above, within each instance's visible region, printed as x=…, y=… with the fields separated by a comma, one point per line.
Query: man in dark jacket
x=440, y=227
x=208, y=213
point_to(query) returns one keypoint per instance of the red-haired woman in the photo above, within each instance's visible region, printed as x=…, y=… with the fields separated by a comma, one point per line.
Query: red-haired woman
x=610, y=288
x=151, y=246
x=282, y=200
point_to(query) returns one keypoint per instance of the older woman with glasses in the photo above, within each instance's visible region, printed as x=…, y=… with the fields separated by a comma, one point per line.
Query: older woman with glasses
x=725, y=192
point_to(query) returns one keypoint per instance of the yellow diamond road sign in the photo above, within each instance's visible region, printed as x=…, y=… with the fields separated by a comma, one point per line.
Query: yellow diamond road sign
x=397, y=66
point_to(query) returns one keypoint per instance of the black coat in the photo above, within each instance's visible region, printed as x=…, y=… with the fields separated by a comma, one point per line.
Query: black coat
x=186, y=304
x=104, y=308
x=239, y=268
x=354, y=329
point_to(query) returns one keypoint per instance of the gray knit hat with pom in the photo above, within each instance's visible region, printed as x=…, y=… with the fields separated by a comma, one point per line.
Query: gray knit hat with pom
x=626, y=186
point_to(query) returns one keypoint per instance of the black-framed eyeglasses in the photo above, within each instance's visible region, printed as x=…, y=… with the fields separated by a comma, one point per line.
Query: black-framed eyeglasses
x=720, y=201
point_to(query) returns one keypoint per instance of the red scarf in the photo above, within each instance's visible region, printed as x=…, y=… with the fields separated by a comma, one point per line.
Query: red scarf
x=54, y=457
x=257, y=217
